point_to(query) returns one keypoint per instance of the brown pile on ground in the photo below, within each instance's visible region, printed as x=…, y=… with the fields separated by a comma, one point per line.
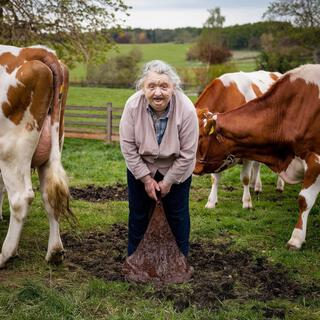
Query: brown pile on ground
x=157, y=258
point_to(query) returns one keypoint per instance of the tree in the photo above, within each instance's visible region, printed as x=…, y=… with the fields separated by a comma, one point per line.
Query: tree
x=215, y=20
x=303, y=13
x=305, y=16
x=78, y=30
x=210, y=47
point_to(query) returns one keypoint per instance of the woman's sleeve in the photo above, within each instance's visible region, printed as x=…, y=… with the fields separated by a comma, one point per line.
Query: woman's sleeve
x=128, y=145
x=189, y=133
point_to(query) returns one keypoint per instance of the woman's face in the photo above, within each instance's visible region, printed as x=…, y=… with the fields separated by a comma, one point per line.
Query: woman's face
x=158, y=90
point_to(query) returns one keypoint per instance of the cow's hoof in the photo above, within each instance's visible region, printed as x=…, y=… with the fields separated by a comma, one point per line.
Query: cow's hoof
x=294, y=244
x=2, y=261
x=292, y=247
x=258, y=190
x=55, y=257
x=247, y=205
x=210, y=205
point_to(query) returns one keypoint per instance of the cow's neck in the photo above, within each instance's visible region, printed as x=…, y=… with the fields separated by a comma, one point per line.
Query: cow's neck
x=256, y=134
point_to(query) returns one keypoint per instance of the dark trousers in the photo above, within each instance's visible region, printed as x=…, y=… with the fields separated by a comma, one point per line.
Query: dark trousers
x=176, y=207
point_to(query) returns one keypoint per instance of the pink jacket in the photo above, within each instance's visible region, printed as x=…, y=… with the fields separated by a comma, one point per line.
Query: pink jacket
x=175, y=156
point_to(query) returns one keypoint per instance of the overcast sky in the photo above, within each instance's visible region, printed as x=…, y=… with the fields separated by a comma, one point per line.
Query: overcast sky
x=183, y=13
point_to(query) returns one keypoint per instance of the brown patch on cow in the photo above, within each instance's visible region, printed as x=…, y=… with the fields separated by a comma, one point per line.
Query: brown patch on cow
x=274, y=77
x=212, y=179
x=256, y=90
x=302, y=207
x=33, y=90
x=38, y=78
x=245, y=180
x=313, y=170
x=19, y=99
x=218, y=98
x=10, y=61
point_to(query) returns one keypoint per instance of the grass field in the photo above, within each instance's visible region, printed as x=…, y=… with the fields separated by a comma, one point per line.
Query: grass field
x=172, y=53
x=32, y=289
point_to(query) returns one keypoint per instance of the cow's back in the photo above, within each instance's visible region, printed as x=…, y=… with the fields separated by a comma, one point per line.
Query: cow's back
x=231, y=90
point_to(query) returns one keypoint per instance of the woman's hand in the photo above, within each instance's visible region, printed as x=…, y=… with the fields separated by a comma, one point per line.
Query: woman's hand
x=164, y=188
x=151, y=186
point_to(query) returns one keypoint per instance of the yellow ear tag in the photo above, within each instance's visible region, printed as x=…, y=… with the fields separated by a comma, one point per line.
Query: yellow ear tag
x=61, y=89
x=211, y=131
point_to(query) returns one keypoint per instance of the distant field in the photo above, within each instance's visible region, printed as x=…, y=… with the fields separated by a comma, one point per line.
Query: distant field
x=172, y=53
x=89, y=96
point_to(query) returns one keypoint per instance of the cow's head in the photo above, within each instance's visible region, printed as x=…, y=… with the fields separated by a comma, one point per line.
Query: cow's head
x=213, y=154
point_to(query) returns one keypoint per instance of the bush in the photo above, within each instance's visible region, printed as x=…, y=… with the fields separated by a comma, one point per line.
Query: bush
x=198, y=78
x=281, y=53
x=210, y=48
x=119, y=71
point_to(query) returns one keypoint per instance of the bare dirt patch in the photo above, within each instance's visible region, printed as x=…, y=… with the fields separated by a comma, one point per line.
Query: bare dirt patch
x=92, y=193
x=220, y=273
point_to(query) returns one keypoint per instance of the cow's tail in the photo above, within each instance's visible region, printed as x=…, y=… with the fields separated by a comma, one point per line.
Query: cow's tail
x=56, y=186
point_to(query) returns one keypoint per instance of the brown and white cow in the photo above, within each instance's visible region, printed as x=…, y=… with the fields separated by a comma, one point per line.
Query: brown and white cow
x=280, y=129
x=33, y=89
x=229, y=92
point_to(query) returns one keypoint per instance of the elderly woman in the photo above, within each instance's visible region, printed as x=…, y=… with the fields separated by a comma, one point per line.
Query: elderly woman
x=158, y=139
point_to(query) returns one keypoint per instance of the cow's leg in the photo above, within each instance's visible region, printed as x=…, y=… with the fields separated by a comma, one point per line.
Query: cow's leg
x=280, y=184
x=55, y=250
x=255, y=179
x=245, y=179
x=213, y=196
x=307, y=198
x=20, y=194
x=2, y=192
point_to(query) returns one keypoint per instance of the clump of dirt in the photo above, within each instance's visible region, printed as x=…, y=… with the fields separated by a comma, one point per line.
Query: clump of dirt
x=92, y=193
x=219, y=272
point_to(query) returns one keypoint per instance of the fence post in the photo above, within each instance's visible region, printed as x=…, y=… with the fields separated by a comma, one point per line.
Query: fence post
x=109, y=122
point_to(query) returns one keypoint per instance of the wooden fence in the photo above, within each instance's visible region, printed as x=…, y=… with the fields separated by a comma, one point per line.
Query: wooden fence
x=92, y=122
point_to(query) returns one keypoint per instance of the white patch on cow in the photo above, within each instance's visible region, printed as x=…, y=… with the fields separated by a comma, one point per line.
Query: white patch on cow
x=13, y=50
x=244, y=80
x=7, y=80
x=245, y=176
x=295, y=171
x=310, y=194
x=309, y=72
x=213, y=196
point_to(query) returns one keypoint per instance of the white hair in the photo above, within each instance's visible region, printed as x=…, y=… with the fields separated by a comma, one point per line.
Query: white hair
x=159, y=67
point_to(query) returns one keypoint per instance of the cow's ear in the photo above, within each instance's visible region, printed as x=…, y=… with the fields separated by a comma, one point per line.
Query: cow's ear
x=202, y=113
x=210, y=126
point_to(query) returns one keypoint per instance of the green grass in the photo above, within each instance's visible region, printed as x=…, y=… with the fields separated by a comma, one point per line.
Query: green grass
x=172, y=53
x=89, y=96
x=32, y=289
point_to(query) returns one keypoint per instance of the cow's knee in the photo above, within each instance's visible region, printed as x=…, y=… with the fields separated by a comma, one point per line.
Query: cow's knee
x=19, y=204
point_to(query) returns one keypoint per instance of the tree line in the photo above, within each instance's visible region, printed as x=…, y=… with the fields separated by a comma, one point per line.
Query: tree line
x=237, y=37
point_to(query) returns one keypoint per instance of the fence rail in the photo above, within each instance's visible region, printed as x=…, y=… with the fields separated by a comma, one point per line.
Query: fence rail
x=92, y=122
